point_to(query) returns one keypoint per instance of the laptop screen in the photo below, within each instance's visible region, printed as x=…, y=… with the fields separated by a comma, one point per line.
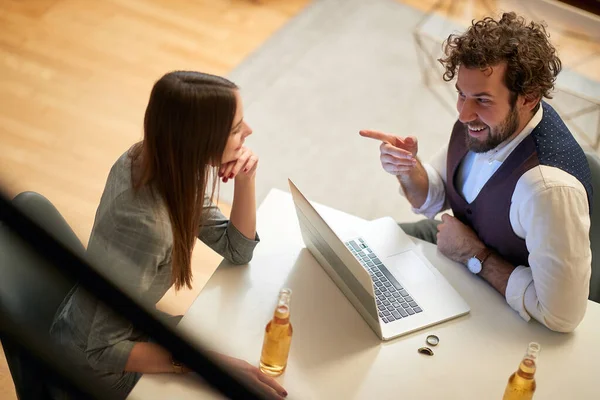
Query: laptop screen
x=313, y=228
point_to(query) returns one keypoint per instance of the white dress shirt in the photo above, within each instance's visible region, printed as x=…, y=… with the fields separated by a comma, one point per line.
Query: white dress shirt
x=549, y=209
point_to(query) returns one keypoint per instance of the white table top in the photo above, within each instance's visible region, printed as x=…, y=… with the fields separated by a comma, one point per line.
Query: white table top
x=335, y=355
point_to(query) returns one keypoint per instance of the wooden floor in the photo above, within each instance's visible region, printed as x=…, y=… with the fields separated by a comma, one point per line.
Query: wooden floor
x=75, y=76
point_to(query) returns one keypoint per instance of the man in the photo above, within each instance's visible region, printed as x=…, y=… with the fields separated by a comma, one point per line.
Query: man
x=517, y=182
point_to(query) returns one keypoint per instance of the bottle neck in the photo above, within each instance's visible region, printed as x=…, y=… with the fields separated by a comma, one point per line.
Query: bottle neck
x=282, y=311
x=528, y=363
x=527, y=368
x=281, y=315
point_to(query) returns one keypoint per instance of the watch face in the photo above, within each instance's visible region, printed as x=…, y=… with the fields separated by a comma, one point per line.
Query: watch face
x=474, y=265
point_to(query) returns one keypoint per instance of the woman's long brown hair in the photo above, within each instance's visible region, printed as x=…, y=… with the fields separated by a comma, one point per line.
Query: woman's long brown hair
x=186, y=126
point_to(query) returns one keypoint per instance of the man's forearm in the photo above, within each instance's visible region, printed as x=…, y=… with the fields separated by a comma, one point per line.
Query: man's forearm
x=415, y=185
x=496, y=271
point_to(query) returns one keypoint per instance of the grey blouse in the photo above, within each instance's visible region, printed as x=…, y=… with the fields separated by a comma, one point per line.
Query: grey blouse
x=131, y=243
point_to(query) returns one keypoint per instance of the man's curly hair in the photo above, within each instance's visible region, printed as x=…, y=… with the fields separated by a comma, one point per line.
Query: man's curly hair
x=532, y=63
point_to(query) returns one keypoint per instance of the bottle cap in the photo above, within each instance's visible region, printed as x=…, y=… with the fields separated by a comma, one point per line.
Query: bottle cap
x=432, y=340
x=425, y=350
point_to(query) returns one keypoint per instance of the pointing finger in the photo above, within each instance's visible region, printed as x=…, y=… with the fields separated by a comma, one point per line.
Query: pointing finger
x=384, y=137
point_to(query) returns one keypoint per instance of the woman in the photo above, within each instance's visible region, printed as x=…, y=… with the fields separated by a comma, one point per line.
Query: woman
x=157, y=200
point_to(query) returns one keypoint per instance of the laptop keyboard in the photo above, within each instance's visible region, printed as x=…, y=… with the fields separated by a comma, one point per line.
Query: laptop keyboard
x=393, y=301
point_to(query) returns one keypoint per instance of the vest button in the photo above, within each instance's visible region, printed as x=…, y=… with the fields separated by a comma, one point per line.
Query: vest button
x=469, y=211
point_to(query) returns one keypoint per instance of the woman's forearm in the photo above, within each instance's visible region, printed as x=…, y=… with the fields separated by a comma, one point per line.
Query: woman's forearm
x=243, y=209
x=149, y=358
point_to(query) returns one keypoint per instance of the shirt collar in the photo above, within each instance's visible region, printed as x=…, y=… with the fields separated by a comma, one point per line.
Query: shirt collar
x=503, y=150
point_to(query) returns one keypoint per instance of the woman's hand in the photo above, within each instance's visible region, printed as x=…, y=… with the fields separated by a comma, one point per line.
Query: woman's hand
x=242, y=168
x=253, y=376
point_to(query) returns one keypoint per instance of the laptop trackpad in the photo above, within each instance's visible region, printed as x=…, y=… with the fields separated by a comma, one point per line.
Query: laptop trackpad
x=408, y=268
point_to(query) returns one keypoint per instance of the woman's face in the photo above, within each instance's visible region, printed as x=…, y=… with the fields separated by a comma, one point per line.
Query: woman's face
x=239, y=131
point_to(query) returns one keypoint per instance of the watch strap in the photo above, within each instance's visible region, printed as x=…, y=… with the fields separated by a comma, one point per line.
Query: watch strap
x=483, y=255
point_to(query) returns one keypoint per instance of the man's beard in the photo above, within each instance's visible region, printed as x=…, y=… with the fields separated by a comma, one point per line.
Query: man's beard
x=495, y=136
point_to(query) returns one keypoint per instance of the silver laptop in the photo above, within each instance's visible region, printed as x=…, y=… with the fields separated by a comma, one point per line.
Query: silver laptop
x=394, y=287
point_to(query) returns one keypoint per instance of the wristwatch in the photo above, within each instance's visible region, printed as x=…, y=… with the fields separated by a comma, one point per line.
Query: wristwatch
x=177, y=366
x=475, y=263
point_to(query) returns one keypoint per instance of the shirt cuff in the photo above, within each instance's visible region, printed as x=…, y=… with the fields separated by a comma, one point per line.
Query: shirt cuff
x=518, y=282
x=241, y=247
x=237, y=238
x=432, y=204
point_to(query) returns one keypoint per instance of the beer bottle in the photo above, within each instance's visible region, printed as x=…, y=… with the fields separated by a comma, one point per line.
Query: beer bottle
x=521, y=384
x=278, y=337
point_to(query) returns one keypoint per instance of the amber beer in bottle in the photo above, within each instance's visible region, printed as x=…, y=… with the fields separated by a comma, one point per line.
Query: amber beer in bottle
x=278, y=337
x=521, y=384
